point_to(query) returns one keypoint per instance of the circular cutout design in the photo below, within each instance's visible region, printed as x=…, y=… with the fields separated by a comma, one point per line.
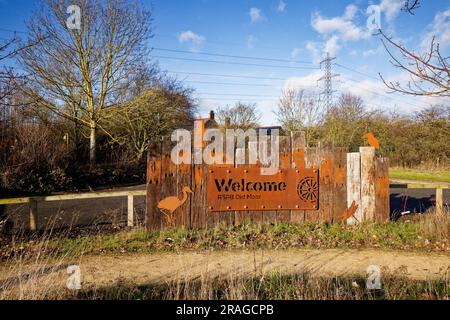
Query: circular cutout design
x=307, y=189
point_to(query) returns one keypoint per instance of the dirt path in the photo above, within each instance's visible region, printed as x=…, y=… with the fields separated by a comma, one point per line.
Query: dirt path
x=108, y=270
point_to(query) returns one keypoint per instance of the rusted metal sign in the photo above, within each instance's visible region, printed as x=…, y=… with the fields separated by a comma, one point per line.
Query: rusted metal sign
x=242, y=189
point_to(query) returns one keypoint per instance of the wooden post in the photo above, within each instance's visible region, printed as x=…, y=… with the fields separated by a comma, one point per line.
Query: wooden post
x=130, y=220
x=367, y=183
x=439, y=201
x=382, y=209
x=33, y=215
x=354, y=184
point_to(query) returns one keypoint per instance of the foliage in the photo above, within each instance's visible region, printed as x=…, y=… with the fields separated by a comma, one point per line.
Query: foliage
x=156, y=112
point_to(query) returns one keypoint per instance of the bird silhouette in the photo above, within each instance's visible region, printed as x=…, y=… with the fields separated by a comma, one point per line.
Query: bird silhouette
x=168, y=205
x=350, y=211
x=372, y=140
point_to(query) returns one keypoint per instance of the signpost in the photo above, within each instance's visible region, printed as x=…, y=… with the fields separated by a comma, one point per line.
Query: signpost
x=243, y=189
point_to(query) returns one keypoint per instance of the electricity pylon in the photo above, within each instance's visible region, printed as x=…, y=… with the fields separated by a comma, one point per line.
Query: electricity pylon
x=328, y=83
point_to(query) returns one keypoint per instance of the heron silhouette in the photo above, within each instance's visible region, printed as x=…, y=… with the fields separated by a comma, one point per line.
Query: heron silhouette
x=168, y=205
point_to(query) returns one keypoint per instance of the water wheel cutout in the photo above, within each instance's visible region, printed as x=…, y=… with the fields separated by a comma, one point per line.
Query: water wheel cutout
x=307, y=189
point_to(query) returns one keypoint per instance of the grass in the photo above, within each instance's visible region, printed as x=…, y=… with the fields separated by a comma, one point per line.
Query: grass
x=276, y=286
x=420, y=175
x=27, y=260
x=427, y=234
x=270, y=286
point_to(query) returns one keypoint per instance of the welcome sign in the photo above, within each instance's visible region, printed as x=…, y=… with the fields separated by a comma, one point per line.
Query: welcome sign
x=242, y=189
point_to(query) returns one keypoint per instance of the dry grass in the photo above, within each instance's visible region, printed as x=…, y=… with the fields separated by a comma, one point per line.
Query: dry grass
x=435, y=225
x=273, y=286
x=29, y=265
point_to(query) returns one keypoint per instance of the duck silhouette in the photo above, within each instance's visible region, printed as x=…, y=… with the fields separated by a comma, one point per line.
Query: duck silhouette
x=168, y=205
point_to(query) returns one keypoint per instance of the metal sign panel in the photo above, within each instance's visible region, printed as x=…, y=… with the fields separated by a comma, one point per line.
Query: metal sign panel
x=242, y=189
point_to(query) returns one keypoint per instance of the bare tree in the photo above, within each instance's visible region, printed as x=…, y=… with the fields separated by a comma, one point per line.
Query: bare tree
x=78, y=73
x=429, y=72
x=411, y=5
x=240, y=116
x=298, y=110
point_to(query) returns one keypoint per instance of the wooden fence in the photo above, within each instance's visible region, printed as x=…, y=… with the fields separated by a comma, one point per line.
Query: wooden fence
x=343, y=178
x=34, y=201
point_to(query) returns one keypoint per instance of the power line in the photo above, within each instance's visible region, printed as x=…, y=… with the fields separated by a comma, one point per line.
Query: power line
x=235, y=44
x=231, y=56
x=230, y=83
x=384, y=94
x=14, y=31
x=356, y=71
x=225, y=75
x=235, y=63
x=375, y=78
x=237, y=94
x=239, y=99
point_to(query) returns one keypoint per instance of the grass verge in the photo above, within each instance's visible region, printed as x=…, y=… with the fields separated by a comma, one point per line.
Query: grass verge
x=420, y=175
x=425, y=235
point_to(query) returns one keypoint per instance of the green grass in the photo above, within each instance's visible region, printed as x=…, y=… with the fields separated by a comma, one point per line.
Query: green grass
x=396, y=236
x=420, y=175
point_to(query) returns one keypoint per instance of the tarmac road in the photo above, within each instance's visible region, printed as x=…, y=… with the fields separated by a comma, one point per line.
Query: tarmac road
x=114, y=210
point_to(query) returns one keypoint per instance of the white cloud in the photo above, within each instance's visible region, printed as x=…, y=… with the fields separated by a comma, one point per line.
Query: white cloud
x=251, y=40
x=281, y=6
x=350, y=12
x=440, y=28
x=308, y=81
x=342, y=26
x=332, y=46
x=190, y=37
x=315, y=51
x=295, y=52
x=256, y=15
x=391, y=8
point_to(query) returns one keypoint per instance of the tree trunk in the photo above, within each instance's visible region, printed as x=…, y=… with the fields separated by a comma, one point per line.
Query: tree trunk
x=92, y=143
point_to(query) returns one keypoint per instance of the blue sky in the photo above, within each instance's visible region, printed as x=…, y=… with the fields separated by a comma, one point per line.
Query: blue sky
x=288, y=37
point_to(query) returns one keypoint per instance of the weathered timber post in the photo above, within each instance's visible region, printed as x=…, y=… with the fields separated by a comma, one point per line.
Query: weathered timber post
x=33, y=215
x=130, y=216
x=439, y=201
x=367, y=183
x=354, y=185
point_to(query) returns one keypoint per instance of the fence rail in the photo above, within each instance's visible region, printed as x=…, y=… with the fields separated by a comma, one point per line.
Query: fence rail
x=33, y=201
x=439, y=191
